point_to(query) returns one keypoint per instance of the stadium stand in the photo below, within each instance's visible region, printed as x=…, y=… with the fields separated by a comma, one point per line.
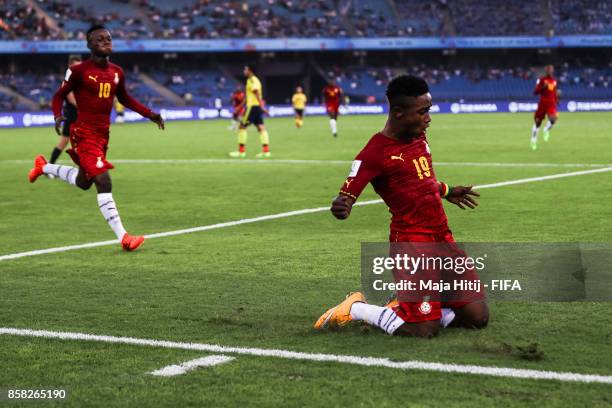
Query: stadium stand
x=584, y=17
x=123, y=18
x=232, y=19
x=17, y=21
x=301, y=18
x=7, y=103
x=421, y=18
x=197, y=87
x=368, y=84
x=40, y=87
x=480, y=18
x=362, y=84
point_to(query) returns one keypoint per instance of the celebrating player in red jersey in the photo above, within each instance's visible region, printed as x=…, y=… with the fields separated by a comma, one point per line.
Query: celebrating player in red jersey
x=95, y=83
x=238, y=107
x=546, y=87
x=332, y=95
x=398, y=163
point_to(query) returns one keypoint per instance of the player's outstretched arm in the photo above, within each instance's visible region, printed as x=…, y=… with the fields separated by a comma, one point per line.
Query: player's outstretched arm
x=130, y=102
x=341, y=206
x=462, y=196
x=157, y=118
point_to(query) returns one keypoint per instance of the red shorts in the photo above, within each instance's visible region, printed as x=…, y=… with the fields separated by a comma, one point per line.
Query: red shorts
x=415, y=312
x=332, y=109
x=544, y=109
x=238, y=112
x=89, y=151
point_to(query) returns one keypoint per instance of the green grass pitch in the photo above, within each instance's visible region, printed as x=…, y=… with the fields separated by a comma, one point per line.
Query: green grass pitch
x=263, y=284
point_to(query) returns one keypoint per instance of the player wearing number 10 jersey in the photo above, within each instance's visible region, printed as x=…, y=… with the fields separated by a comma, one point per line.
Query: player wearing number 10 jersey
x=95, y=84
x=397, y=162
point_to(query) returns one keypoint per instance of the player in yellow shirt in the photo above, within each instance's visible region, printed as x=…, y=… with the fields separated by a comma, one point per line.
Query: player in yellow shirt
x=299, y=104
x=255, y=110
x=120, y=111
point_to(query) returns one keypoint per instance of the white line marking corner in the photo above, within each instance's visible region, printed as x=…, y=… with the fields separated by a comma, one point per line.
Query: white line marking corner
x=178, y=369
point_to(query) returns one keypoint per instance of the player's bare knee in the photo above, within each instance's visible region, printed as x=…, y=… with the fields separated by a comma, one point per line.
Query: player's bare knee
x=479, y=321
x=482, y=322
x=472, y=316
x=82, y=181
x=83, y=184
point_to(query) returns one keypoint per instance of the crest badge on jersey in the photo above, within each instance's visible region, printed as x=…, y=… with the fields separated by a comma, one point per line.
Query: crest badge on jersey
x=116, y=80
x=425, y=308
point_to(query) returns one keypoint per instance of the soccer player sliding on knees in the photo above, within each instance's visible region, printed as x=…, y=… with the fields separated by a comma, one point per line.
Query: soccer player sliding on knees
x=397, y=161
x=94, y=83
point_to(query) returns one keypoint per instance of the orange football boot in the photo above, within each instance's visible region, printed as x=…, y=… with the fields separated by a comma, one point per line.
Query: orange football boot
x=37, y=170
x=131, y=242
x=340, y=315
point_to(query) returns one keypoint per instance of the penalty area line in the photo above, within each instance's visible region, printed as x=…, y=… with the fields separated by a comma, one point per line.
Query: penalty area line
x=280, y=215
x=491, y=371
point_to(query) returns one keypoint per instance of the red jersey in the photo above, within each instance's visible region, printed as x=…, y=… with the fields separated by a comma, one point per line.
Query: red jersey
x=402, y=174
x=95, y=86
x=237, y=99
x=332, y=94
x=546, y=87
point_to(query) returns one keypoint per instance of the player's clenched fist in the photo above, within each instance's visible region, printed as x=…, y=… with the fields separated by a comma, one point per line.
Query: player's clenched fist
x=58, y=124
x=341, y=207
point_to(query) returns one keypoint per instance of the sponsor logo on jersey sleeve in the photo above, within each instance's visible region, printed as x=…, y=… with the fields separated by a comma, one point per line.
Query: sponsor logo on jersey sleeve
x=355, y=168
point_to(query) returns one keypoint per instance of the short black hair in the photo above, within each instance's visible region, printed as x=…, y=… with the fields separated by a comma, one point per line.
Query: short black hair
x=405, y=86
x=93, y=28
x=250, y=67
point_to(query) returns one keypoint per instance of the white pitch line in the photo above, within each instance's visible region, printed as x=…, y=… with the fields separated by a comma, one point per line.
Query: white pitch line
x=501, y=164
x=324, y=162
x=279, y=215
x=178, y=369
x=543, y=178
x=319, y=357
